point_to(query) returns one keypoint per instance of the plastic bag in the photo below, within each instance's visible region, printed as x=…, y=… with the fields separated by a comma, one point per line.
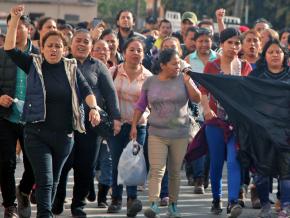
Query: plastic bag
x=132, y=167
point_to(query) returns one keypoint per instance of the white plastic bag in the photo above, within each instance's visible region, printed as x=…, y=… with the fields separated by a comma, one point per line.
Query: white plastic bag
x=132, y=167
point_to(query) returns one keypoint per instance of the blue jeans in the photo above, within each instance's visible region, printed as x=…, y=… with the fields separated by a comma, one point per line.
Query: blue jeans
x=105, y=164
x=196, y=168
x=220, y=151
x=47, y=152
x=263, y=185
x=118, y=143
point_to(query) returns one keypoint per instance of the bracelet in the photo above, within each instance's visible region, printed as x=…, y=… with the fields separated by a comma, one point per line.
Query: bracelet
x=94, y=108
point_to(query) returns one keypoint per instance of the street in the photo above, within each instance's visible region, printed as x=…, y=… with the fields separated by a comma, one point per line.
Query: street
x=190, y=205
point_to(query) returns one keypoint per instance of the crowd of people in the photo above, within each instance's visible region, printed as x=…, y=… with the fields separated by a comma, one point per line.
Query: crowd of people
x=55, y=78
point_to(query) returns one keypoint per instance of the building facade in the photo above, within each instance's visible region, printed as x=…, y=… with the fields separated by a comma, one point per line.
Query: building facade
x=72, y=11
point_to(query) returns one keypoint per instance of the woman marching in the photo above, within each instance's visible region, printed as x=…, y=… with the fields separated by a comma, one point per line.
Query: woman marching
x=55, y=89
x=167, y=94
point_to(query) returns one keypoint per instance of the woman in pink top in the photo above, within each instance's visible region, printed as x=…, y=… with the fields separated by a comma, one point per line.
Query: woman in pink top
x=128, y=79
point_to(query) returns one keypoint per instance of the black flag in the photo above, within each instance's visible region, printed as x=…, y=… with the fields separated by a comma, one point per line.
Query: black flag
x=259, y=110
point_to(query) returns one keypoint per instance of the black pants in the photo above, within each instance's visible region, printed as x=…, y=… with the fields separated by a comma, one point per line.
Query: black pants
x=9, y=133
x=47, y=151
x=83, y=160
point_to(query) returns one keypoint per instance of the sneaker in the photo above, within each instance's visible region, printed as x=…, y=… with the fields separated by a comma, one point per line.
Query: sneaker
x=10, y=212
x=216, y=207
x=198, y=186
x=134, y=206
x=164, y=202
x=78, y=212
x=57, y=206
x=234, y=210
x=24, y=207
x=173, y=211
x=152, y=212
x=265, y=212
x=115, y=206
x=256, y=204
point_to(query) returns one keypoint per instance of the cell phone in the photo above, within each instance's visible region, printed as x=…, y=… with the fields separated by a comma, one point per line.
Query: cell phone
x=96, y=22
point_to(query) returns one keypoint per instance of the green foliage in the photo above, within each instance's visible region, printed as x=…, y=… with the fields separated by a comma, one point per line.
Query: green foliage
x=108, y=9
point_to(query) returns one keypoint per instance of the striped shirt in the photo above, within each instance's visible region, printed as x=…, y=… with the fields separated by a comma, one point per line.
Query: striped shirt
x=129, y=93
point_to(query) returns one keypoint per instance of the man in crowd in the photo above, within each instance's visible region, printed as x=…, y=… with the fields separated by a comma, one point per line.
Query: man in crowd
x=125, y=22
x=12, y=96
x=188, y=19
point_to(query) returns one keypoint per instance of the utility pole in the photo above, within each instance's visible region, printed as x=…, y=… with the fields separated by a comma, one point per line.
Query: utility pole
x=247, y=12
x=137, y=14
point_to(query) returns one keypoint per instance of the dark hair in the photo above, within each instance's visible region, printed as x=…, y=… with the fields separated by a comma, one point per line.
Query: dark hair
x=191, y=29
x=285, y=30
x=121, y=11
x=263, y=20
x=24, y=18
x=164, y=21
x=133, y=39
x=262, y=61
x=108, y=32
x=42, y=21
x=205, y=22
x=229, y=33
x=202, y=32
x=164, y=57
x=53, y=33
x=289, y=39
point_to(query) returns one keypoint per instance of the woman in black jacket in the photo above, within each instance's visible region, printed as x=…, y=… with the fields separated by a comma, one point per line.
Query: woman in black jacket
x=54, y=91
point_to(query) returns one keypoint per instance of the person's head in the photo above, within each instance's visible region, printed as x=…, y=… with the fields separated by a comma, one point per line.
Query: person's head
x=189, y=41
x=45, y=25
x=169, y=62
x=150, y=23
x=134, y=51
x=173, y=43
x=22, y=29
x=230, y=42
x=101, y=51
x=111, y=38
x=207, y=24
x=188, y=19
x=262, y=24
x=165, y=28
x=125, y=20
x=203, y=41
x=274, y=55
x=67, y=30
x=267, y=35
x=52, y=47
x=284, y=36
x=81, y=45
x=251, y=43
x=2, y=39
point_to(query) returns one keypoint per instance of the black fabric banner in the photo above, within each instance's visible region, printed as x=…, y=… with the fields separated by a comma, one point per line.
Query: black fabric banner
x=259, y=110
